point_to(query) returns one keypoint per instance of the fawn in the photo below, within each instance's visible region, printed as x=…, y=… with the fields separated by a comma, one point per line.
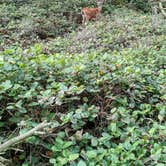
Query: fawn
x=92, y=13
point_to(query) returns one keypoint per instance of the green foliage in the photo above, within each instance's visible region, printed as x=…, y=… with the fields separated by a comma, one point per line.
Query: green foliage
x=117, y=99
x=103, y=87
x=142, y=5
x=137, y=4
x=27, y=22
x=119, y=2
x=35, y=20
x=124, y=29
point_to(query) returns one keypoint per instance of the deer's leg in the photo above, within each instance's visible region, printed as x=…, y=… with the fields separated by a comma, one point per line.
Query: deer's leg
x=98, y=16
x=83, y=19
x=87, y=19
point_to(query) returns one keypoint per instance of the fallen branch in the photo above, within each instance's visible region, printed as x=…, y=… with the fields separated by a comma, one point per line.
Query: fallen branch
x=4, y=162
x=162, y=9
x=20, y=138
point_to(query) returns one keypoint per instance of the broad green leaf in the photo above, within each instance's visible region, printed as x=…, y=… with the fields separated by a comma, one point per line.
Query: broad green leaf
x=67, y=144
x=6, y=85
x=52, y=161
x=94, y=142
x=81, y=163
x=91, y=154
x=73, y=157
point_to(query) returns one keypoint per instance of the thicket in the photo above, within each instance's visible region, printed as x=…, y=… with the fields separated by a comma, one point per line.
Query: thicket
x=26, y=22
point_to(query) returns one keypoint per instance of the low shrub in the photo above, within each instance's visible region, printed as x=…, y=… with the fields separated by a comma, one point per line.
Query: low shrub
x=111, y=106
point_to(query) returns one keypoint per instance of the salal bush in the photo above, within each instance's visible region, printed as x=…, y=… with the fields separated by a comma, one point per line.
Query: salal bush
x=107, y=108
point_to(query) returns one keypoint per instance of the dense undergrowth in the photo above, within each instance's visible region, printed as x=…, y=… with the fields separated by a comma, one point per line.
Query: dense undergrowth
x=103, y=86
x=124, y=28
x=25, y=22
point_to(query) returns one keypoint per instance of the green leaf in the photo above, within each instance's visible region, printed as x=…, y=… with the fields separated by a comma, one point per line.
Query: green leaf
x=52, y=161
x=2, y=124
x=113, y=127
x=67, y=144
x=94, y=142
x=28, y=94
x=6, y=85
x=19, y=104
x=81, y=163
x=160, y=164
x=91, y=154
x=62, y=160
x=25, y=164
x=73, y=157
x=10, y=107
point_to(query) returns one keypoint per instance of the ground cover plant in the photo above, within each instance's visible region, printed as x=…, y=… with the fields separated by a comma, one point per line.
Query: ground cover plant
x=102, y=87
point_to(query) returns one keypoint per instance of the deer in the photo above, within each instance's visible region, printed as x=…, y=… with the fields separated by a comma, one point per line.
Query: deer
x=91, y=13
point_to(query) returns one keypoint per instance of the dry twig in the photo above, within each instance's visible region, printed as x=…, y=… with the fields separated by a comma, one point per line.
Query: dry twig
x=20, y=138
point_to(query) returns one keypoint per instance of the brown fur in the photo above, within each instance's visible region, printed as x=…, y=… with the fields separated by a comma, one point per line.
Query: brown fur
x=90, y=14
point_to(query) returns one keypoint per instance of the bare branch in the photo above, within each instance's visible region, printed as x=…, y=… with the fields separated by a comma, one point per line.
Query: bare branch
x=162, y=9
x=20, y=138
x=4, y=162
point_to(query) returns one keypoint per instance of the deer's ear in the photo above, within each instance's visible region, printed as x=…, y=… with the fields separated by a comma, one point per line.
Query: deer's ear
x=99, y=2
